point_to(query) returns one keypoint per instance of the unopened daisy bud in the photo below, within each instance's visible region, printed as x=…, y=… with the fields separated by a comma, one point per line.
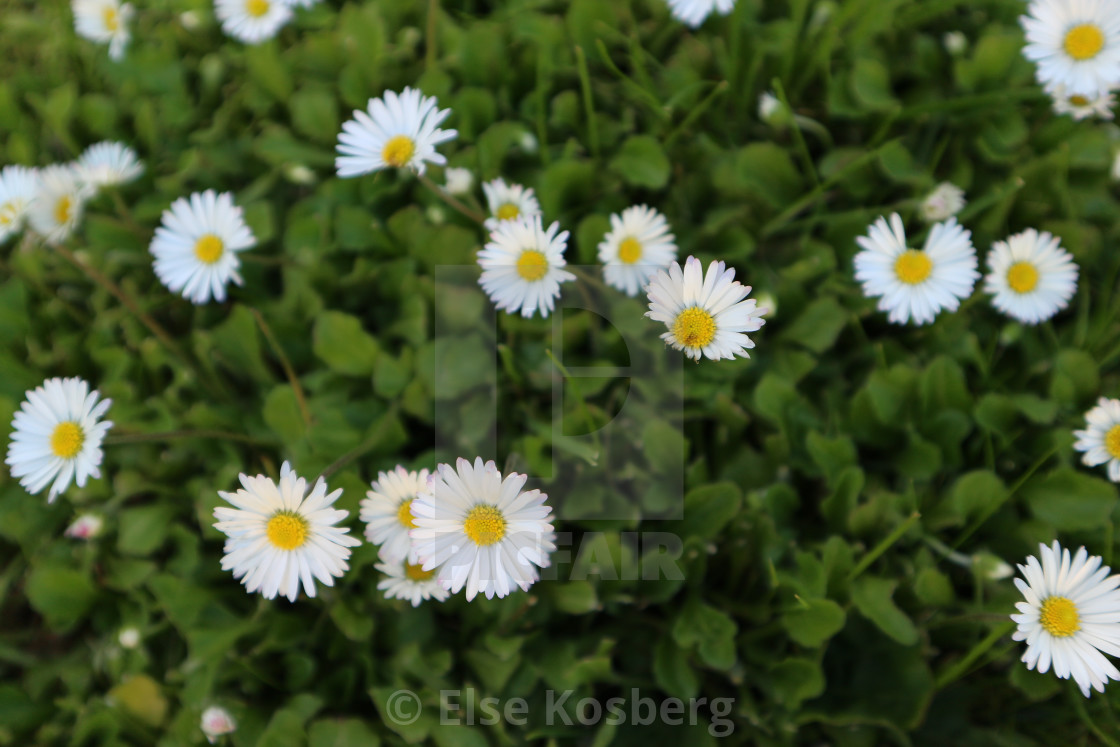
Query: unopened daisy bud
x=769, y=107
x=458, y=181
x=85, y=527
x=436, y=214
x=956, y=43
x=217, y=722
x=767, y=305
x=991, y=567
x=189, y=20
x=297, y=173
x=945, y=201
x=528, y=143
x=129, y=638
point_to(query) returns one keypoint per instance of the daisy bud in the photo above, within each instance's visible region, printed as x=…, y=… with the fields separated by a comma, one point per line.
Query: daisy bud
x=216, y=722
x=955, y=43
x=945, y=201
x=458, y=181
x=129, y=638
x=85, y=527
x=297, y=173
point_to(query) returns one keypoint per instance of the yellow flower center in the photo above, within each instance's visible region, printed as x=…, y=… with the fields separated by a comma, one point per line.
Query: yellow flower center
x=67, y=440
x=62, y=209
x=287, y=530
x=1022, y=277
x=532, y=265
x=508, y=211
x=1059, y=617
x=209, y=249
x=1077, y=100
x=694, y=327
x=256, y=8
x=398, y=151
x=485, y=525
x=1084, y=42
x=630, y=250
x=1112, y=441
x=416, y=572
x=111, y=18
x=404, y=514
x=7, y=214
x=912, y=267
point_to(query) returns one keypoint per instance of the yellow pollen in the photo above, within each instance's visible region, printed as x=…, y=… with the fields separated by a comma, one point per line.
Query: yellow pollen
x=694, y=328
x=1077, y=100
x=112, y=22
x=416, y=572
x=508, y=211
x=1059, y=617
x=912, y=267
x=209, y=249
x=287, y=530
x=1112, y=441
x=485, y=525
x=1084, y=42
x=62, y=210
x=256, y=8
x=532, y=265
x=404, y=514
x=67, y=440
x=1022, y=277
x=630, y=250
x=398, y=151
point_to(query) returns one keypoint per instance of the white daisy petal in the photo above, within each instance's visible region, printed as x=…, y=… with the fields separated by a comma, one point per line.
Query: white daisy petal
x=507, y=202
x=1030, y=276
x=1075, y=44
x=637, y=246
x=693, y=12
x=1101, y=440
x=108, y=163
x=945, y=201
x=521, y=266
x=60, y=198
x=104, y=22
x=396, y=131
x=408, y=580
x=252, y=21
x=18, y=187
x=387, y=512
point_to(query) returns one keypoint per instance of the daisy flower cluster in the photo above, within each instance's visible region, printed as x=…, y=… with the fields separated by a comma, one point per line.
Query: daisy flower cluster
x=1075, y=45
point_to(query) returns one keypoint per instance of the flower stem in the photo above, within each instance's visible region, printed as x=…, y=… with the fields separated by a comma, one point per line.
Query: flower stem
x=301, y=401
x=451, y=201
x=959, y=668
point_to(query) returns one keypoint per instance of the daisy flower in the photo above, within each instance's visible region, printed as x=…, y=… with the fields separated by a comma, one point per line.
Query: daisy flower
x=18, y=186
x=407, y=580
x=57, y=436
x=399, y=131
x=945, y=201
x=299, y=3
x=280, y=536
x=107, y=164
x=386, y=511
x=916, y=284
x=638, y=245
x=693, y=12
x=85, y=527
x=252, y=21
x=216, y=722
x=507, y=202
x=1075, y=44
x=478, y=530
x=1069, y=617
x=104, y=22
x=196, y=246
x=457, y=181
x=59, y=200
x=1031, y=277
x=1101, y=440
x=1080, y=106
x=705, y=314
x=521, y=266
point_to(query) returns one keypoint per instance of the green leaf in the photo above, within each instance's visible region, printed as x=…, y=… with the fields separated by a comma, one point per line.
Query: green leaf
x=832, y=455
x=60, y=594
x=872, y=597
x=574, y=597
x=811, y=626
x=664, y=447
x=339, y=341
x=1069, y=500
x=142, y=698
x=870, y=85
x=282, y=414
x=641, y=162
x=818, y=326
x=143, y=530
x=708, y=509
x=340, y=732
x=673, y=672
x=976, y=492
x=795, y=680
x=710, y=630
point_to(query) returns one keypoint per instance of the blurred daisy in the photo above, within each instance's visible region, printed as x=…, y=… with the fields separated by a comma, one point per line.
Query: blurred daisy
x=480, y=531
x=1101, y=440
x=299, y=3
x=1075, y=44
x=18, y=186
x=59, y=200
x=57, y=436
x=280, y=536
x=399, y=131
x=386, y=511
x=1081, y=106
x=1031, y=277
x=85, y=527
x=705, y=314
x=945, y=201
x=407, y=580
x=128, y=638
x=916, y=284
x=196, y=246
x=693, y=12
x=217, y=722
x=508, y=202
x=956, y=43
x=104, y=22
x=1069, y=617
x=107, y=164
x=638, y=245
x=521, y=266
x=252, y=21
x=457, y=181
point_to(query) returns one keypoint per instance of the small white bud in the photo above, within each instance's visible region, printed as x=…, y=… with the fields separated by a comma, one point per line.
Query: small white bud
x=216, y=722
x=458, y=181
x=85, y=527
x=945, y=201
x=955, y=43
x=129, y=637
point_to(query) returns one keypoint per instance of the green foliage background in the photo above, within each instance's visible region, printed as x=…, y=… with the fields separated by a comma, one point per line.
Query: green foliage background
x=826, y=476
